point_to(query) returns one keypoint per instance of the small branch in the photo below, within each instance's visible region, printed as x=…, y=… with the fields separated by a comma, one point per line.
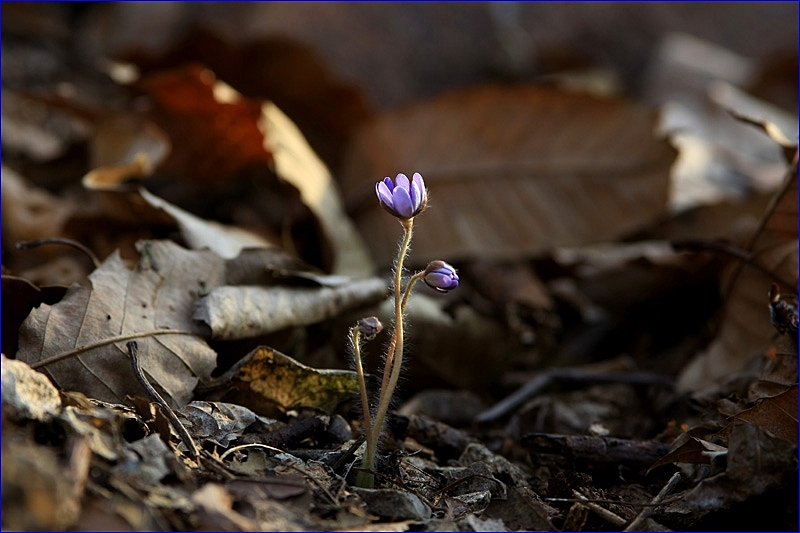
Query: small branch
x=251, y=445
x=647, y=511
x=26, y=245
x=133, y=351
x=105, y=342
x=604, y=513
x=726, y=248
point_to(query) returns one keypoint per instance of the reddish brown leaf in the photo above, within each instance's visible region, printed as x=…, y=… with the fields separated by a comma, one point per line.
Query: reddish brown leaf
x=512, y=171
x=212, y=139
x=777, y=414
x=284, y=71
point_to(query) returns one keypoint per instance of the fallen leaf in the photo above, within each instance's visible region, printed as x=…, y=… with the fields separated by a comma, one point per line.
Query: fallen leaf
x=157, y=295
x=124, y=146
x=244, y=311
x=226, y=241
x=219, y=422
x=213, y=131
x=512, y=171
x=30, y=212
x=776, y=414
x=27, y=394
x=271, y=379
x=19, y=297
x=280, y=69
x=690, y=449
x=297, y=163
x=746, y=330
x=756, y=464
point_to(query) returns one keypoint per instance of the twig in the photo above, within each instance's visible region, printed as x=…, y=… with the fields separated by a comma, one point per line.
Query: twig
x=543, y=380
x=726, y=248
x=25, y=245
x=604, y=513
x=647, y=511
x=251, y=445
x=133, y=351
x=632, y=453
x=109, y=340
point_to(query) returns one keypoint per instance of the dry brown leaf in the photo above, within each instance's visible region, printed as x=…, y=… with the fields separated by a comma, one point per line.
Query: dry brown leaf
x=282, y=70
x=746, y=329
x=271, y=379
x=512, y=171
x=124, y=146
x=242, y=312
x=689, y=449
x=777, y=414
x=214, y=133
x=29, y=212
x=158, y=294
x=296, y=163
x=19, y=297
x=226, y=241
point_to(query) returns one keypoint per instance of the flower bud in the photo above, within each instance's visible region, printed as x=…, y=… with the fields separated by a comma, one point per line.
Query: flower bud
x=440, y=276
x=369, y=327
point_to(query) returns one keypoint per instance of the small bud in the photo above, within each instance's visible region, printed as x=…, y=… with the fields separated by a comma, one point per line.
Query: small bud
x=440, y=276
x=402, y=198
x=369, y=327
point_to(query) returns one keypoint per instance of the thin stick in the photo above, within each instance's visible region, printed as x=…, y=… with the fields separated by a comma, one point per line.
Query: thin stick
x=647, y=511
x=24, y=245
x=133, y=351
x=613, y=518
x=109, y=340
x=251, y=445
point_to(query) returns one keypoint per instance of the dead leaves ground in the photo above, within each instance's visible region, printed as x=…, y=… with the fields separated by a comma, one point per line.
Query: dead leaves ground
x=621, y=354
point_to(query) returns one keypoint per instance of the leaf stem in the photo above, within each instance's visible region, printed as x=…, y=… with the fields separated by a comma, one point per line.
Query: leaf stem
x=133, y=351
x=109, y=340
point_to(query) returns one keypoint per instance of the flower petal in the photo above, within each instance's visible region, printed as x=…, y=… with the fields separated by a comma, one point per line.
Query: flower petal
x=402, y=181
x=384, y=194
x=416, y=196
x=417, y=178
x=389, y=184
x=401, y=202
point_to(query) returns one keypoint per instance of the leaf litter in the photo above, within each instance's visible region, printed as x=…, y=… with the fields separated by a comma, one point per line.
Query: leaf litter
x=566, y=386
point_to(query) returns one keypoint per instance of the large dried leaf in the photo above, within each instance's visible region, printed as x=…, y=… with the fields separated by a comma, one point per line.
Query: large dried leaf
x=158, y=294
x=297, y=163
x=746, y=329
x=512, y=171
x=246, y=311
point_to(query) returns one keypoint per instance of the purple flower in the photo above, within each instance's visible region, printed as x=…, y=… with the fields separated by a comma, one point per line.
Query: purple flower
x=440, y=276
x=404, y=199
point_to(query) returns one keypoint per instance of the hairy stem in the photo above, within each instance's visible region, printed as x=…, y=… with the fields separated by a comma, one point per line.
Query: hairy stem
x=394, y=361
x=362, y=385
